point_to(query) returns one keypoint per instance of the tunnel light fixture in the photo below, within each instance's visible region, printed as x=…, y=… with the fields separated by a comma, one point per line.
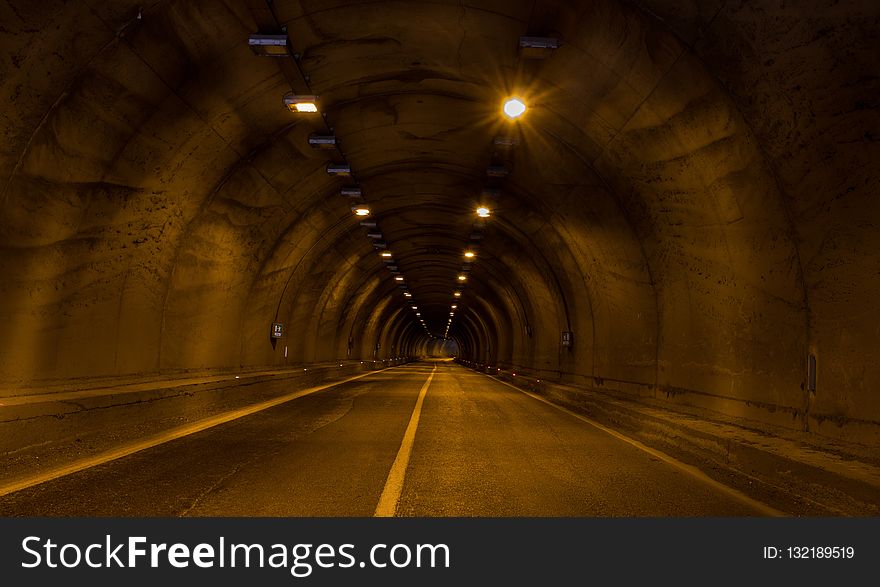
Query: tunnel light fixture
x=351, y=191
x=469, y=254
x=407, y=294
x=497, y=171
x=374, y=235
x=323, y=142
x=269, y=45
x=338, y=169
x=514, y=107
x=506, y=142
x=385, y=254
x=360, y=210
x=454, y=306
x=379, y=245
x=393, y=269
x=483, y=212
x=462, y=277
x=537, y=47
x=415, y=307
x=368, y=223
x=398, y=278
x=418, y=314
x=539, y=43
x=301, y=103
x=457, y=294
x=452, y=313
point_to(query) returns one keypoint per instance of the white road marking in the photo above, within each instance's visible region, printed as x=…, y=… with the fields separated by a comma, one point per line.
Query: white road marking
x=167, y=436
x=683, y=467
x=394, y=484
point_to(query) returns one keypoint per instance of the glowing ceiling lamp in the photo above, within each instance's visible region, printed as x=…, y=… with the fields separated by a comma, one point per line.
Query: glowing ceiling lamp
x=301, y=103
x=514, y=108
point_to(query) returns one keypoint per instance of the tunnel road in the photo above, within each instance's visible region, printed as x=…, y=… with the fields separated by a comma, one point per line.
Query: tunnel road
x=426, y=439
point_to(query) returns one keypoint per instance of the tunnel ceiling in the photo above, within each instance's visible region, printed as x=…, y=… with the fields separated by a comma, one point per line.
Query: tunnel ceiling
x=690, y=181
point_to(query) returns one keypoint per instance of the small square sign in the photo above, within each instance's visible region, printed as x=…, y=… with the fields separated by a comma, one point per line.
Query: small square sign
x=277, y=330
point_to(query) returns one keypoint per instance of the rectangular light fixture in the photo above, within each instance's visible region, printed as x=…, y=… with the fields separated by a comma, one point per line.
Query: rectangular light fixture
x=301, y=103
x=537, y=47
x=497, y=171
x=380, y=245
x=351, y=192
x=339, y=169
x=269, y=45
x=369, y=223
x=539, y=42
x=393, y=268
x=322, y=141
x=376, y=235
x=506, y=142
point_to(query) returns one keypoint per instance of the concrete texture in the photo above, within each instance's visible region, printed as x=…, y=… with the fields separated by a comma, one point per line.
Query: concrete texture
x=693, y=195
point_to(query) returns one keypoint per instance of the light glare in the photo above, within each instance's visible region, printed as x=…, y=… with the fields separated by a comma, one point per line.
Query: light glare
x=514, y=108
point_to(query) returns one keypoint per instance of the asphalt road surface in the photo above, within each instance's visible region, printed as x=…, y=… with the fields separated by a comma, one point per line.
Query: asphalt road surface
x=388, y=444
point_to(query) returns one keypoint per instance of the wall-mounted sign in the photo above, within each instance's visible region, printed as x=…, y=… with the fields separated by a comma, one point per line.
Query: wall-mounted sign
x=566, y=338
x=277, y=330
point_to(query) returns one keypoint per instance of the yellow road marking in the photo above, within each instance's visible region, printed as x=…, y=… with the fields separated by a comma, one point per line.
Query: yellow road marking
x=394, y=484
x=167, y=436
x=685, y=468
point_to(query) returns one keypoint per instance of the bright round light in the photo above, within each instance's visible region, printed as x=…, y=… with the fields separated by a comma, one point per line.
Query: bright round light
x=362, y=211
x=462, y=277
x=514, y=107
x=483, y=212
x=469, y=254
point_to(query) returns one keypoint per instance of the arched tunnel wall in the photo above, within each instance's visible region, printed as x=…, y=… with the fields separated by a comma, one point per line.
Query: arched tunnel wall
x=692, y=195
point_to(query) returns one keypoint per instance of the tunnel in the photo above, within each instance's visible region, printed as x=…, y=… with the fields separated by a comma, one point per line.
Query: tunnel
x=211, y=205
